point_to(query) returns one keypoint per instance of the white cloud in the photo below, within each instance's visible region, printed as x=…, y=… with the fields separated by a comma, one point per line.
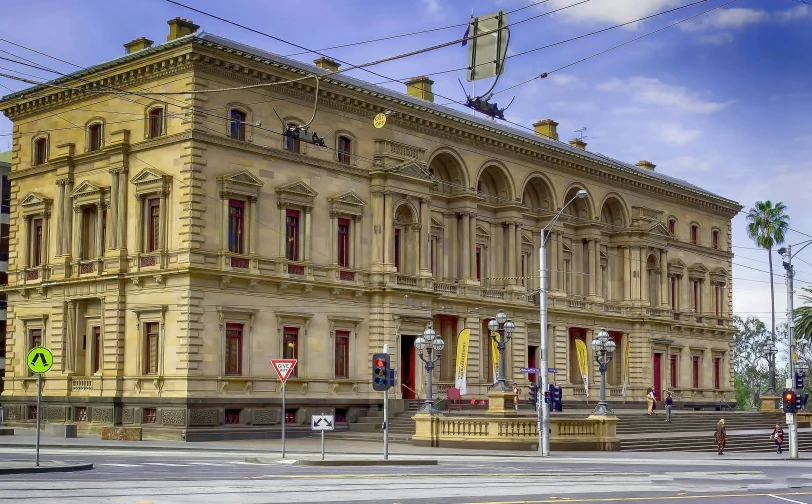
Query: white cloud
x=720, y=38
x=726, y=19
x=676, y=134
x=612, y=11
x=563, y=79
x=433, y=7
x=655, y=92
x=799, y=12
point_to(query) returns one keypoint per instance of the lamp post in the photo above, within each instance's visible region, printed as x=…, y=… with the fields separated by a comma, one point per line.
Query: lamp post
x=544, y=408
x=604, y=348
x=501, y=325
x=429, y=341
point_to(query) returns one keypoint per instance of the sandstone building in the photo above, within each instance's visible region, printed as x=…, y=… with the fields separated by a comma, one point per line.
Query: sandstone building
x=165, y=247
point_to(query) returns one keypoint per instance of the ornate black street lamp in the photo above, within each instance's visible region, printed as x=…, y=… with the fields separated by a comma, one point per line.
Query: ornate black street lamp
x=603, y=347
x=502, y=326
x=430, y=341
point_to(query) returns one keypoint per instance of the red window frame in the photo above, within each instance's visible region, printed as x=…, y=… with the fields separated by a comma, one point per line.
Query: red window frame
x=156, y=122
x=397, y=249
x=36, y=242
x=236, y=226
x=672, y=226
x=290, y=348
x=94, y=137
x=673, y=371
x=717, y=372
x=696, y=296
x=479, y=263
x=343, y=243
x=40, y=150
x=674, y=293
x=715, y=239
x=342, y=354
x=695, y=366
x=344, y=150
x=153, y=224
x=150, y=415
x=35, y=335
x=234, y=349
x=292, y=234
x=96, y=348
x=694, y=234
x=237, y=126
x=151, y=331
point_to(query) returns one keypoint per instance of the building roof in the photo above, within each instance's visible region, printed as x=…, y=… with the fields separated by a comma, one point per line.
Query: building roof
x=471, y=119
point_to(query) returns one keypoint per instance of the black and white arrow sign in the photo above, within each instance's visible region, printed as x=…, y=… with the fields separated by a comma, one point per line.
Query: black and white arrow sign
x=322, y=423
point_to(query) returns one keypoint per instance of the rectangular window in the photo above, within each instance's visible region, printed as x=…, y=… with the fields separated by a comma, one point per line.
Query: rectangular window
x=156, y=122
x=94, y=137
x=717, y=371
x=233, y=349
x=717, y=295
x=292, y=235
x=479, y=263
x=715, y=235
x=151, y=348
x=96, y=348
x=695, y=364
x=342, y=354
x=150, y=415
x=694, y=234
x=397, y=249
x=236, y=229
x=40, y=151
x=291, y=347
x=292, y=143
x=673, y=371
x=36, y=242
x=696, y=296
x=344, y=150
x=672, y=226
x=674, y=293
x=344, y=243
x=153, y=224
x=237, y=125
x=36, y=337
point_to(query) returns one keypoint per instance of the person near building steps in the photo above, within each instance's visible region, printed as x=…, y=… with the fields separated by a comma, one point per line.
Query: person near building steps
x=778, y=437
x=721, y=436
x=650, y=401
x=669, y=402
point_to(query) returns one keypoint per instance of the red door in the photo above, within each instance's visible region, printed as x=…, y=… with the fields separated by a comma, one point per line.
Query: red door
x=657, y=374
x=531, y=362
x=407, y=363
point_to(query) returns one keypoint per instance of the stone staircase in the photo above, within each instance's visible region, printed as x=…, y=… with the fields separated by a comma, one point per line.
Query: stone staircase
x=693, y=421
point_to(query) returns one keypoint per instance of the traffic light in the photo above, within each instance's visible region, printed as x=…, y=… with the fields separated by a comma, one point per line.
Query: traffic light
x=799, y=402
x=789, y=401
x=380, y=372
x=799, y=380
x=547, y=397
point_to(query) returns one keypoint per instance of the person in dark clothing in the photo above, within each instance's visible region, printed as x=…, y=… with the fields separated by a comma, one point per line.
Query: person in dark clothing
x=669, y=402
x=778, y=437
x=721, y=436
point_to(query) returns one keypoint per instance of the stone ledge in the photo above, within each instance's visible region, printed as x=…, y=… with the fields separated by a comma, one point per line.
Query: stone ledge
x=6, y=431
x=121, y=433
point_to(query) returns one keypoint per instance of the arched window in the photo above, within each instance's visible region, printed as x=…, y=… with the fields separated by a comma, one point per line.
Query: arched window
x=694, y=234
x=292, y=144
x=672, y=226
x=40, y=150
x=344, y=149
x=95, y=135
x=155, y=126
x=237, y=130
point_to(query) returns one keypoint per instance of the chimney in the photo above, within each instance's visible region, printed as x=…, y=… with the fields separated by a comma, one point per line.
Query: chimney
x=578, y=143
x=180, y=28
x=420, y=87
x=648, y=165
x=137, y=45
x=327, y=64
x=546, y=128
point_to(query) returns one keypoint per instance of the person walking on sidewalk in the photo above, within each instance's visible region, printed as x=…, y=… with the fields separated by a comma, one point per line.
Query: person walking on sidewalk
x=669, y=402
x=778, y=437
x=650, y=401
x=721, y=436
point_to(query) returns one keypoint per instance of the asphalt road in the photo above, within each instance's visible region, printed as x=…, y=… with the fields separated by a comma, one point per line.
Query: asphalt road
x=178, y=477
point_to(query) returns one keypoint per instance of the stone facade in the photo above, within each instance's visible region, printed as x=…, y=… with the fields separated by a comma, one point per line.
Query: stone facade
x=166, y=259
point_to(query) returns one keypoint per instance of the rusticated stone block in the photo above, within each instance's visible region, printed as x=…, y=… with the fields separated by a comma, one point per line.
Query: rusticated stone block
x=173, y=417
x=121, y=433
x=266, y=416
x=204, y=417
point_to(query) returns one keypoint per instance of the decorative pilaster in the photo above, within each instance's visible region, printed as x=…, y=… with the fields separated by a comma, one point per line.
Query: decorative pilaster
x=99, y=223
x=139, y=217
x=425, y=227
x=67, y=219
x=644, y=285
x=388, y=231
x=664, y=282
x=251, y=221
x=333, y=238
x=164, y=213
x=77, y=246
x=511, y=253
x=308, y=234
x=356, y=242
x=592, y=270
x=559, y=261
x=627, y=274
x=26, y=241
x=121, y=212
x=465, y=249
x=113, y=220
x=59, y=219
x=517, y=257
x=472, y=245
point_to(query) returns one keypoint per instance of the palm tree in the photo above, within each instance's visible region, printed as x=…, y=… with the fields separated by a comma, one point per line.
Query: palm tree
x=803, y=317
x=766, y=225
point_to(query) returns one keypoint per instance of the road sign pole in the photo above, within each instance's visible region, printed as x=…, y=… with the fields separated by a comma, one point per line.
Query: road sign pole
x=39, y=410
x=284, y=419
x=322, y=445
x=386, y=416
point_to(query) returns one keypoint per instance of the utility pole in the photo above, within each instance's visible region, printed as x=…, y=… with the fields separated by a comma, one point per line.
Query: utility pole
x=793, y=427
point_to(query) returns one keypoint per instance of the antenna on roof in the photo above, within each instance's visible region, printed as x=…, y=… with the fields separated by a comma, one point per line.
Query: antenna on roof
x=581, y=133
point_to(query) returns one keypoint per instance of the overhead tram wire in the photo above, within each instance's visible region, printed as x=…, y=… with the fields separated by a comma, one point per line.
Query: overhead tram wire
x=392, y=37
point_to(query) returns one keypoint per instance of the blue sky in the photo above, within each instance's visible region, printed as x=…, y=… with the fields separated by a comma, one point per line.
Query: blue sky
x=722, y=101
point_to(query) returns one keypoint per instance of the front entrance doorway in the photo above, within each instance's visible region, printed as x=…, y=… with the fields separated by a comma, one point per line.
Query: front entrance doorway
x=657, y=375
x=407, y=367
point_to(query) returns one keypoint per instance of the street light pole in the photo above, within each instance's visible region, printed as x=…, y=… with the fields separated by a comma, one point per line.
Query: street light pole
x=504, y=327
x=544, y=407
x=429, y=342
x=603, y=347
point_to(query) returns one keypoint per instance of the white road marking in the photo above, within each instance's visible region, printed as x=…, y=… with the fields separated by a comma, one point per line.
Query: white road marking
x=788, y=500
x=164, y=464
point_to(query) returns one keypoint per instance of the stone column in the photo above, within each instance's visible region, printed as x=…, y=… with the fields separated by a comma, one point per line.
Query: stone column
x=139, y=217
x=334, y=238
x=592, y=289
x=686, y=290
x=388, y=230
x=67, y=219
x=511, y=255
x=472, y=248
x=77, y=246
x=356, y=242
x=308, y=233
x=27, y=241
x=251, y=223
x=282, y=229
x=559, y=264
x=518, y=256
x=60, y=209
x=113, y=220
x=377, y=228
x=627, y=274
x=121, y=212
x=99, y=224
x=164, y=220
x=465, y=249
x=552, y=252
x=425, y=227
x=224, y=211
x=664, y=282
x=644, y=284
x=69, y=331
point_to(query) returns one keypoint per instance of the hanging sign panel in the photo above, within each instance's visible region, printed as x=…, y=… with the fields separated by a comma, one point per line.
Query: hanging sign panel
x=486, y=53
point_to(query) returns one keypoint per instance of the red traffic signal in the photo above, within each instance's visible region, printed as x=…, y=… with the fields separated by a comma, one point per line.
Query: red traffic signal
x=380, y=372
x=379, y=363
x=789, y=401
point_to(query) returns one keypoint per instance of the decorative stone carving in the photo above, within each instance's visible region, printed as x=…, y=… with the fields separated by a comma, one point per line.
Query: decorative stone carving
x=128, y=415
x=54, y=414
x=102, y=414
x=173, y=417
x=204, y=417
x=14, y=412
x=266, y=416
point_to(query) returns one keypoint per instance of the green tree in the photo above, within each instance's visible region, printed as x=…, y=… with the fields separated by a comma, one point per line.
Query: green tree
x=750, y=378
x=803, y=317
x=767, y=225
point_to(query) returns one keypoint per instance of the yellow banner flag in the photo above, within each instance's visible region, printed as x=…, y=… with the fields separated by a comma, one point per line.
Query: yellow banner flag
x=583, y=363
x=463, y=340
x=495, y=354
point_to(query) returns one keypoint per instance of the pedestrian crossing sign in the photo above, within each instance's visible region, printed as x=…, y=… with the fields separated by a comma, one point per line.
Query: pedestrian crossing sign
x=39, y=360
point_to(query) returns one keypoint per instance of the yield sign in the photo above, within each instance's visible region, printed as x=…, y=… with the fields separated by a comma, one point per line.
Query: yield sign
x=284, y=368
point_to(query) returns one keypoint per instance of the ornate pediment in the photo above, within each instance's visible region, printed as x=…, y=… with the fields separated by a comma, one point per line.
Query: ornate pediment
x=697, y=271
x=676, y=267
x=348, y=198
x=481, y=231
x=438, y=224
x=527, y=239
x=659, y=229
x=297, y=188
x=151, y=180
x=718, y=276
x=242, y=177
x=413, y=169
x=147, y=175
x=88, y=188
x=32, y=199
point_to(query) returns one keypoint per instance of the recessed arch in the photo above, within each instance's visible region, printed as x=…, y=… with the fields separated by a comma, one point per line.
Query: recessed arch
x=448, y=167
x=494, y=182
x=538, y=192
x=614, y=212
x=581, y=208
x=404, y=212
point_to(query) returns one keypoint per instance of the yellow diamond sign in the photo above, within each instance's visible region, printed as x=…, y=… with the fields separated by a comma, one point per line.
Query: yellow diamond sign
x=39, y=360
